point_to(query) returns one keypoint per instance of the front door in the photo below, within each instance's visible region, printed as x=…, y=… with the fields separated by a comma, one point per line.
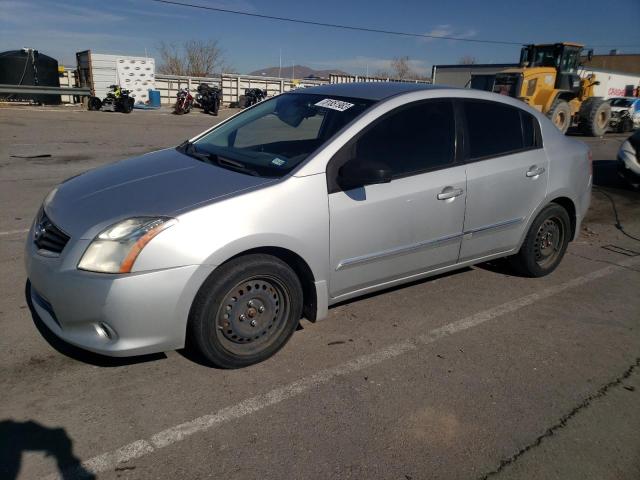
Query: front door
x=380, y=233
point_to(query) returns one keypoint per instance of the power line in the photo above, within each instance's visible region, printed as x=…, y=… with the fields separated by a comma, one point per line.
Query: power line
x=335, y=25
x=362, y=29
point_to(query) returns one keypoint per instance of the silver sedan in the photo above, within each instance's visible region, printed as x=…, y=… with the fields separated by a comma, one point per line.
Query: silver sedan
x=302, y=201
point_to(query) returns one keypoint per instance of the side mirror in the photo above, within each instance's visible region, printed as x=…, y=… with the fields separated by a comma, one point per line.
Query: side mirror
x=590, y=54
x=356, y=173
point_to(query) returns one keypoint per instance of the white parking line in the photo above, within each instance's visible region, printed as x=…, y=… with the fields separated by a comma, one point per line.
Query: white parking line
x=140, y=448
x=13, y=232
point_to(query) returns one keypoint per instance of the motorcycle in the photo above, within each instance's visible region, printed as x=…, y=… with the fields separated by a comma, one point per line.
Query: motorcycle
x=184, y=102
x=117, y=100
x=252, y=96
x=209, y=98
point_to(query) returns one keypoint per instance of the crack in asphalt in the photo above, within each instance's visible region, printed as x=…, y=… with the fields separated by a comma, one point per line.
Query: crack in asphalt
x=564, y=420
x=603, y=261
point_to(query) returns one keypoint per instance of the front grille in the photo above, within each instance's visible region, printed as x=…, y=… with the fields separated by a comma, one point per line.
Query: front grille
x=49, y=237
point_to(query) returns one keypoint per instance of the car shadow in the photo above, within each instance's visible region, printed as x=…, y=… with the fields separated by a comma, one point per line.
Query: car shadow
x=77, y=353
x=19, y=437
x=605, y=174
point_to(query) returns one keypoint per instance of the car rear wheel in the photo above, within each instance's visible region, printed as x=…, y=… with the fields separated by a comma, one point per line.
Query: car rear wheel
x=246, y=311
x=545, y=243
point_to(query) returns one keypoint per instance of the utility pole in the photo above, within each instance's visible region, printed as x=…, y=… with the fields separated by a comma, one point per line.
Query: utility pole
x=280, y=65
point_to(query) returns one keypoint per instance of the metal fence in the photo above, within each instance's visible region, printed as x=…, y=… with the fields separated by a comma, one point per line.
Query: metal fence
x=169, y=85
x=364, y=78
x=234, y=85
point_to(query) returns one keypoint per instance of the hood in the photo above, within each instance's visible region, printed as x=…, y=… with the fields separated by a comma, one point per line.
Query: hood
x=162, y=183
x=620, y=109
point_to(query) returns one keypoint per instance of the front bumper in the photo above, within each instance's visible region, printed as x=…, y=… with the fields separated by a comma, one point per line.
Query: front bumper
x=117, y=315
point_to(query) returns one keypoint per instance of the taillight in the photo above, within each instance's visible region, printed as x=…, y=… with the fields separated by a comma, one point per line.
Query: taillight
x=590, y=155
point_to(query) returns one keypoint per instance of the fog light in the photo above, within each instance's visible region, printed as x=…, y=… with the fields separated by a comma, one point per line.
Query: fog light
x=103, y=331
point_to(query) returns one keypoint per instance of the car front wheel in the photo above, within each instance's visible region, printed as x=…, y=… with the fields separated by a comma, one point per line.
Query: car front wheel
x=246, y=311
x=545, y=243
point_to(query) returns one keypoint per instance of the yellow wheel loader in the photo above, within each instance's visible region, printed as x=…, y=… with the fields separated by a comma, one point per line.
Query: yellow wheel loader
x=548, y=80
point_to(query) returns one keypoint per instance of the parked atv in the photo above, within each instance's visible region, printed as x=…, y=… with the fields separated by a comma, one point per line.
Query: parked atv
x=184, y=102
x=209, y=98
x=251, y=97
x=117, y=100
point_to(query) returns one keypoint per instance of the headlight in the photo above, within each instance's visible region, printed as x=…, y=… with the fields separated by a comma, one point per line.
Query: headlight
x=116, y=248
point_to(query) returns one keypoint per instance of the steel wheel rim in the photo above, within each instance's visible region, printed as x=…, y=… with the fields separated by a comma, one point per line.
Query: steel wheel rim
x=549, y=242
x=561, y=119
x=252, y=315
x=602, y=119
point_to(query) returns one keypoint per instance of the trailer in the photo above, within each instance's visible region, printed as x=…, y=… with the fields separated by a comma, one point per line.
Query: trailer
x=612, y=84
x=97, y=71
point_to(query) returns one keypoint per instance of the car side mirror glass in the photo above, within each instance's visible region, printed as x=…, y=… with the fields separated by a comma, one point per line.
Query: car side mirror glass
x=358, y=173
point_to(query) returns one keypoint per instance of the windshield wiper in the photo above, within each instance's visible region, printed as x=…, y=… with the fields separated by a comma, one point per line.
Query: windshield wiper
x=190, y=149
x=228, y=163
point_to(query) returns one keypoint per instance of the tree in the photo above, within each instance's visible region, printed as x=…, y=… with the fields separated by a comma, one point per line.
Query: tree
x=467, y=60
x=196, y=58
x=401, y=68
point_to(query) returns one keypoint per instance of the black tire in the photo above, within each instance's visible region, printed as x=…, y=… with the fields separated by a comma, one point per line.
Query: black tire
x=177, y=109
x=127, y=105
x=244, y=101
x=550, y=229
x=94, y=104
x=595, y=114
x=560, y=114
x=246, y=311
x=216, y=106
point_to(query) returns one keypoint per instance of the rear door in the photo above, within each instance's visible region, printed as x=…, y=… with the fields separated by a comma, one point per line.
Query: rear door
x=507, y=173
x=380, y=233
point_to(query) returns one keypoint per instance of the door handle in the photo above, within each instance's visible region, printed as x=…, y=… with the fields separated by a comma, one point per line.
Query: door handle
x=449, y=193
x=535, y=171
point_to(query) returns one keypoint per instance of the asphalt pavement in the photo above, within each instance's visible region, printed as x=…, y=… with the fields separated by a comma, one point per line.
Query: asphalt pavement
x=471, y=375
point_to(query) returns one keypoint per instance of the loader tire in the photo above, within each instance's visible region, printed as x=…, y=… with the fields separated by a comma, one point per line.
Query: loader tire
x=595, y=114
x=560, y=115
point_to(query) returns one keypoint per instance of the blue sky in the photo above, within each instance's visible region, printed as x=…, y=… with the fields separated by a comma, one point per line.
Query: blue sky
x=59, y=28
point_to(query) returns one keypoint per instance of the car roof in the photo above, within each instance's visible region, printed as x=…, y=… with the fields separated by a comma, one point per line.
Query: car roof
x=368, y=90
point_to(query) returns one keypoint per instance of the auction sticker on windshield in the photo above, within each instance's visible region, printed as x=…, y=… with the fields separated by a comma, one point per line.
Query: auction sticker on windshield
x=338, y=105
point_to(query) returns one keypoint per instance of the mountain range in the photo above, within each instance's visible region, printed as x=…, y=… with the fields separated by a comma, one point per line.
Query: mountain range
x=297, y=71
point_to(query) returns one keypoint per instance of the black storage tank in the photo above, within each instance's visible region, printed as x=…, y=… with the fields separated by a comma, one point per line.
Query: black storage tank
x=29, y=67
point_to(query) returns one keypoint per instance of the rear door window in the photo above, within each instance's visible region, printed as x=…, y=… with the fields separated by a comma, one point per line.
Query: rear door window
x=495, y=129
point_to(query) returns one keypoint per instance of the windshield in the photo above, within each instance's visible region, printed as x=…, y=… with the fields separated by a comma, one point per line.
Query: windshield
x=273, y=137
x=620, y=102
x=544, y=57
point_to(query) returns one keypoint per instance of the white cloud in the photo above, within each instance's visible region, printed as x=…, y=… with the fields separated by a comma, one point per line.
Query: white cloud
x=31, y=14
x=447, y=30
